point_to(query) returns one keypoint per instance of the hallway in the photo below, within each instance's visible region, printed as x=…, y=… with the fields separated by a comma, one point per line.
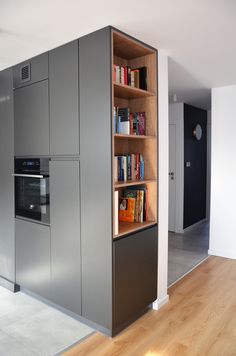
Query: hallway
x=186, y=251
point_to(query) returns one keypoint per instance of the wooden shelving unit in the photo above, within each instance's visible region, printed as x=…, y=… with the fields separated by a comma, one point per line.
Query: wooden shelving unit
x=128, y=52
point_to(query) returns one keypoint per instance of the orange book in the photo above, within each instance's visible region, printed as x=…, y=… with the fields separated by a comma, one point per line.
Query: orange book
x=127, y=209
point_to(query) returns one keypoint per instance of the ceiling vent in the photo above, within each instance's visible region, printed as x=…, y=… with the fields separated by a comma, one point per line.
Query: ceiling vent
x=25, y=73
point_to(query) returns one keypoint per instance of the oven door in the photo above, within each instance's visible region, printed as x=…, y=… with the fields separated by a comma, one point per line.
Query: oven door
x=32, y=197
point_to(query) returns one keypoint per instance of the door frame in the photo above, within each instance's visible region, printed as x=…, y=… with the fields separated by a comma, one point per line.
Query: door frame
x=176, y=117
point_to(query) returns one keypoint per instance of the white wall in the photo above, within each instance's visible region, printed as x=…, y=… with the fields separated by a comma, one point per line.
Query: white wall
x=163, y=146
x=223, y=173
x=176, y=117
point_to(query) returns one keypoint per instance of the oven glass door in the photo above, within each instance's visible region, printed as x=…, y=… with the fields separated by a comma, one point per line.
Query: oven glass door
x=32, y=198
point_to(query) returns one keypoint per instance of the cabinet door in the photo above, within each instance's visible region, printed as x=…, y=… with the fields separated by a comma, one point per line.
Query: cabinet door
x=33, y=257
x=135, y=275
x=31, y=71
x=31, y=120
x=7, y=234
x=65, y=234
x=64, y=100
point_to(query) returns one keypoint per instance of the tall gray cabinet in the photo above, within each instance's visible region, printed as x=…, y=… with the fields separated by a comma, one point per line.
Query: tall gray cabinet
x=63, y=110
x=7, y=238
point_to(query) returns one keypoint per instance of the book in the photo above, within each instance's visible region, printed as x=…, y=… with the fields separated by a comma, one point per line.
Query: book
x=116, y=224
x=143, y=78
x=127, y=209
x=116, y=169
x=124, y=168
x=141, y=123
x=123, y=113
x=136, y=78
x=132, y=78
x=129, y=167
x=131, y=123
x=141, y=201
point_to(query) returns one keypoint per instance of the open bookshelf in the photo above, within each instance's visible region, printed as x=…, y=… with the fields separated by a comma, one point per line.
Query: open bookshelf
x=129, y=52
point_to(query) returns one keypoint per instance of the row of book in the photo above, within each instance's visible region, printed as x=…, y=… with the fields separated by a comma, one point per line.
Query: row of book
x=129, y=123
x=136, y=78
x=133, y=204
x=129, y=167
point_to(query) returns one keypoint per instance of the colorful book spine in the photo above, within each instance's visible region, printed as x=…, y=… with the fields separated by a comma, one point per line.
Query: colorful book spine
x=116, y=224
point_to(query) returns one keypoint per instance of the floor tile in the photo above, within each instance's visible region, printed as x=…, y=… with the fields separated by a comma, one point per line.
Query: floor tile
x=48, y=332
x=12, y=347
x=186, y=251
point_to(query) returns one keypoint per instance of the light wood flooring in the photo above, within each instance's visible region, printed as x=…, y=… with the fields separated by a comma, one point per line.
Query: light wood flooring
x=200, y=319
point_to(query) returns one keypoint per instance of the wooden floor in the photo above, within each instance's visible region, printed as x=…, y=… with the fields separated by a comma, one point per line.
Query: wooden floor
x=200, y=319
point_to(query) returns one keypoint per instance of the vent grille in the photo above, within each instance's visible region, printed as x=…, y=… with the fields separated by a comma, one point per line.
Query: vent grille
x=25, y=73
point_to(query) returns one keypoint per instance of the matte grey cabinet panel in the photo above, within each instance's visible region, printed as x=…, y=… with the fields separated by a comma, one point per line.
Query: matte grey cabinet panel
x=32, y=120
x=7, y=235
x=65, y=234
x=38, y=70
x=33, y=257
x=135, y=274
x=96, y=189
x=64, y=99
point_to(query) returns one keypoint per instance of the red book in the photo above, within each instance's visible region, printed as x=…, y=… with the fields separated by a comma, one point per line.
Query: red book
x=131, y=123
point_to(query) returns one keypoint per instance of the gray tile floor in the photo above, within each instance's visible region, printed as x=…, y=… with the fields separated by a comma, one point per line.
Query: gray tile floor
x=186, y=251
x=29, y=327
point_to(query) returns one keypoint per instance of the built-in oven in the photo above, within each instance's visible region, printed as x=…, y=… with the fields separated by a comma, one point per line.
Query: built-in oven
x=32, y=198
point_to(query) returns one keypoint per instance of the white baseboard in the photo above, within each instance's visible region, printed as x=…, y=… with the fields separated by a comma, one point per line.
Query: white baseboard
x=160, y=302
x=224, y=253
x=189, y=228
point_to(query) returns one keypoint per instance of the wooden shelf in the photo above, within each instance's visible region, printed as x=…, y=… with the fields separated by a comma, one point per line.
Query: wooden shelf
x=133, y=137
x=129, y=48
x=126, y=228
x=128, y=92
x=133, y=182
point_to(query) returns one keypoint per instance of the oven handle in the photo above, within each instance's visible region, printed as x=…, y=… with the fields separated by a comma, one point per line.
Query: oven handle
x=40, y=176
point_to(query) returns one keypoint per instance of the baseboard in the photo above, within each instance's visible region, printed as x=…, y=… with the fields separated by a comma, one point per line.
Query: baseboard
x=78, y=317
x=158, y=303
x=189, y=228
x=224, y=253
x=11, y=286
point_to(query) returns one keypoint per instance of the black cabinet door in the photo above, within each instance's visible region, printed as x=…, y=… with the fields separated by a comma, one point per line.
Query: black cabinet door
x=135, y=275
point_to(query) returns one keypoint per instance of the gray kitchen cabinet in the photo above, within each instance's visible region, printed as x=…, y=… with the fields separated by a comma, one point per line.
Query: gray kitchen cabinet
x=64, y=100
x=7, y=234
x=31, y=71
x=31, y=119
x=65, y=234
x=33, y=257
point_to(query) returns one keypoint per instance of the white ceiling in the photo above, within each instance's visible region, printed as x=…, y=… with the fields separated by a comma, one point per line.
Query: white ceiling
x=198, y=35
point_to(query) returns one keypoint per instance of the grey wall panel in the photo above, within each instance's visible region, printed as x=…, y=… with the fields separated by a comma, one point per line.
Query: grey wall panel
x=38, y=70
x=7, y=236
x=33, y=257
x=65, y=234
x=31, y=112
x=64, y=99
x=96, y=199
x=135, y=274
